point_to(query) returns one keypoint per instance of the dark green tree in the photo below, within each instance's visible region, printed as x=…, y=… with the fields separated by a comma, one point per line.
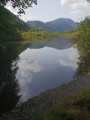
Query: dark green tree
x=20, y=4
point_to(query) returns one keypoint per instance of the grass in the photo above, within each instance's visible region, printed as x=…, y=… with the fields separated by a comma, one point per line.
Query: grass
x=70, y=34
x=31, y=35
x=76, y=107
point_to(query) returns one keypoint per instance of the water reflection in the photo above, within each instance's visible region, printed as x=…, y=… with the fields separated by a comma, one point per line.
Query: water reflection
x=28, y=70
x=45, y=68
x=83, y=66
x=70, y=59
x=9, y=87
x=59, y=43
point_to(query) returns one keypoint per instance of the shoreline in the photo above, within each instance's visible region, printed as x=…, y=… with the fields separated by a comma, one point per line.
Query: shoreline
x=45, y=102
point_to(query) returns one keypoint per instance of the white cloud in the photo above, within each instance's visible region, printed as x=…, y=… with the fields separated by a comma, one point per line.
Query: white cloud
x=78, y=6
x=24, y=76
x=70, y=61
x=68, y=1
x=9, y=7
x=30, y=65
x=23, y=16
x=27, y=15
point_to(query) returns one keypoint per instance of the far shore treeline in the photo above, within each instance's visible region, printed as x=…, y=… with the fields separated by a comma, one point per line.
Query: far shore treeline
x=14, y=29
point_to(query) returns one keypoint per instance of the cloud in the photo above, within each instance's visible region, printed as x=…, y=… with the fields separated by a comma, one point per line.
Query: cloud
x=25, y=79
x=27, y=15
x=78, y=6
x=30, y=65
x=23, y=16
x=70, y=61
x=24, y=76
x=68, y=2
x=9, y=7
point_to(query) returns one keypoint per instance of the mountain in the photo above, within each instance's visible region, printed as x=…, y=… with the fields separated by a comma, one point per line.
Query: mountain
x=58, y=25
x=11, y=25
x=39, y=25
x=62, y=24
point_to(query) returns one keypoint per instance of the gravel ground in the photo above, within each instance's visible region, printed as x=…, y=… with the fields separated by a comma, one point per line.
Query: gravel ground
x=45, y=102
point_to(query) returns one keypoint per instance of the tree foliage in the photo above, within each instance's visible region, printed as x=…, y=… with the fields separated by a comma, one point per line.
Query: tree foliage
x=84, y=36
x=20, y=4
x=10, y=26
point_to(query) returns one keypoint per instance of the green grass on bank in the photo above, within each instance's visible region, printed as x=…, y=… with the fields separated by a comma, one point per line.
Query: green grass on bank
x=31, y=35
x=76, y=107
x=70, y=34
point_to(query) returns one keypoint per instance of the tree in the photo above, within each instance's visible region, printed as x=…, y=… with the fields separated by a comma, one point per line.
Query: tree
x=88, y=1
x=20, y=4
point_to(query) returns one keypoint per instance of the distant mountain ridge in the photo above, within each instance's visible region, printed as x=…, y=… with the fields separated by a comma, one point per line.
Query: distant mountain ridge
x=58, y=25
x=39, y=25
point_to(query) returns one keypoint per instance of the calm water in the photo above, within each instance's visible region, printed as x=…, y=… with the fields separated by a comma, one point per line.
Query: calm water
x=28, y=70
x=45, y=68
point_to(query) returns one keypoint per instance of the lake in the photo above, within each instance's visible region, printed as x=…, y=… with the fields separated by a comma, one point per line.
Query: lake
x=28, y=70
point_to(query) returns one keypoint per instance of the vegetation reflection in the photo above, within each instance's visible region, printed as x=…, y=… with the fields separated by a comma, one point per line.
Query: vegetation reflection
x=9, y=87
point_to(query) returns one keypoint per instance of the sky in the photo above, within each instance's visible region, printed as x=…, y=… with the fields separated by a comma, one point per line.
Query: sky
x=48, y=10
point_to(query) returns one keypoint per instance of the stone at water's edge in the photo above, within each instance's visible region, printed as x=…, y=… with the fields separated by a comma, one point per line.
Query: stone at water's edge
x=45, y=102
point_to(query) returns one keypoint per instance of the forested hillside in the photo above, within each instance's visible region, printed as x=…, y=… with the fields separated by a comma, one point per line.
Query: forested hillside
x=11, y=25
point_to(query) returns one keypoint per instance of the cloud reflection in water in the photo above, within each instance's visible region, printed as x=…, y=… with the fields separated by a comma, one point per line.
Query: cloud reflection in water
x=70, y=59
x=24, y=74
x=45, y=68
